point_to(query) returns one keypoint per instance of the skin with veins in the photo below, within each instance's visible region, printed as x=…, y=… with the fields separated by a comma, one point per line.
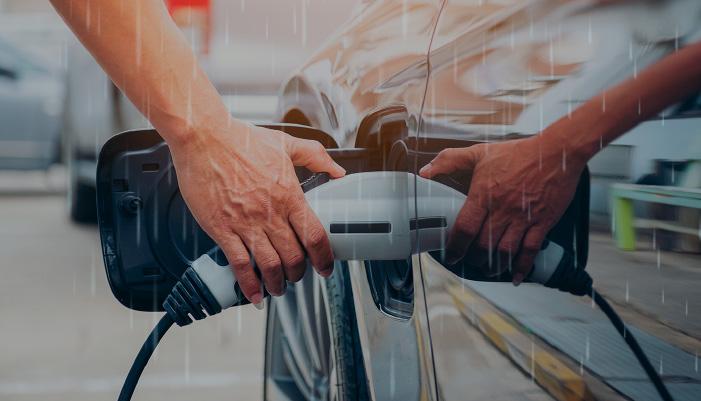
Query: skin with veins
x=237, y=180
x=520, y=189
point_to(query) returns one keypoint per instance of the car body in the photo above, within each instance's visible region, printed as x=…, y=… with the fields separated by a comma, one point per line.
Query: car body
x=30, y=111
x=433, y=74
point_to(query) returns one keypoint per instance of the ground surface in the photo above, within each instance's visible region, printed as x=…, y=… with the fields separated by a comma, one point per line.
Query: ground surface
x=64, y=337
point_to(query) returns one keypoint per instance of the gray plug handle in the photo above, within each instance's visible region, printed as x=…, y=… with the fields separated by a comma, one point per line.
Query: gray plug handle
x=374, y=216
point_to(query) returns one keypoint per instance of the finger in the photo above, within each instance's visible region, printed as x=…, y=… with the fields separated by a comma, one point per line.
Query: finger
x=453, y=159
x=240, y=261
x=292, y=256
x=311, y=233
x=467, y=227
x=508, y=246
x=481, y=252
x=268, y=263
x=530, y=246
x=312, y=155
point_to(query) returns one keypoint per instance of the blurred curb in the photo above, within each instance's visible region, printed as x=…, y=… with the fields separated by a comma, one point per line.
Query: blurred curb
x=517, y=344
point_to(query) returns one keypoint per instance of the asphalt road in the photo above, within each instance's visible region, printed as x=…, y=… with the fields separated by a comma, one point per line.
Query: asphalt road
x=64, y=337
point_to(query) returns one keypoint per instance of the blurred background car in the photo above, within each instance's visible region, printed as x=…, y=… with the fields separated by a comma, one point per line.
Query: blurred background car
x=31, y=107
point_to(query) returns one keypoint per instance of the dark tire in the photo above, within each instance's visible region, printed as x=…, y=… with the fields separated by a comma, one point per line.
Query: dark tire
x=337, y=342
x=83, y=203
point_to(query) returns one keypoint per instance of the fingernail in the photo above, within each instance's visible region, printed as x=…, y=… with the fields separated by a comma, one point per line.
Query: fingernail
x=425, y=168
x=326, y=272
x=337, y=165
x=257, y=300
x=518, y=278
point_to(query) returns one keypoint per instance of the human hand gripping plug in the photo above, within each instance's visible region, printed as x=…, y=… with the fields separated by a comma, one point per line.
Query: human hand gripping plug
x=241, y=187
x=519, y=190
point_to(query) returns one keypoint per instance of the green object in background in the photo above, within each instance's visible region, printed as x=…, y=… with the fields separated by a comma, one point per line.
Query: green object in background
x=624, y=222
x=623, y=229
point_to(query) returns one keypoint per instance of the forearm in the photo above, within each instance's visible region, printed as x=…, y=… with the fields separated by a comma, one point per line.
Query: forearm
x=148, y=58
x=611, y=114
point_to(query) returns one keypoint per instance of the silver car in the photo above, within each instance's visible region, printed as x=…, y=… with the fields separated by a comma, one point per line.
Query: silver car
x=408, y=79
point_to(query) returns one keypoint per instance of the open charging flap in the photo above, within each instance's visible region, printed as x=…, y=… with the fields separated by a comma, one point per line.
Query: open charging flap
x=149, y=237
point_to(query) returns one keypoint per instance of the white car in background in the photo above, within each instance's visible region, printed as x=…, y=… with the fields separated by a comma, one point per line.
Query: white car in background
x=30, y=111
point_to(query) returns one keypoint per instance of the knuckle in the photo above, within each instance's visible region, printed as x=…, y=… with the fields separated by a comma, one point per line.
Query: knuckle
x=295, y=259
x=269, y=264
x=484, y=244
x=239, y=260
x=317, y=147
x=466, y=227
x=505, y=248
x=446, y=154
x=294, y=274
x=316, y=237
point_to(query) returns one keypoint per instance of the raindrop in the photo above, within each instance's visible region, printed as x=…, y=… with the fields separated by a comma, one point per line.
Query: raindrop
x=581, y=365
x=662, y=294
x=532, y=360
x=603, y=104
x=564, y=158
x=92, y=275
x=686, y=307
x=238, y=321
x=630, y=50
x=590, y=31
x=627, y=290
x=661, y=364
x=658, y=259
x=243, y=4
x=586, y=350
x=391, y=373
x=696, y=362
x=455, y=64
x=187, y=356
x=676, y=37
x=654, y=238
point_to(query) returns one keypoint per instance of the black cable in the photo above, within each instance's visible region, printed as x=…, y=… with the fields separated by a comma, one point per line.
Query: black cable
x=633, y=344
x=143, y=356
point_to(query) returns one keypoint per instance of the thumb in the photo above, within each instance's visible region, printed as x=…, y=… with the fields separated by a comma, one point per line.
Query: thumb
x=453, y=159
x=312, y=155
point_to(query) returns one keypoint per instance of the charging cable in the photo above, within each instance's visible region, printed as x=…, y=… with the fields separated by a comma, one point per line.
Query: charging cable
x=366, y=203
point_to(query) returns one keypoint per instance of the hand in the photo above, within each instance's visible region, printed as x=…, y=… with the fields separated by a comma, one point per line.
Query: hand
x=239, y=182
x=519, y=191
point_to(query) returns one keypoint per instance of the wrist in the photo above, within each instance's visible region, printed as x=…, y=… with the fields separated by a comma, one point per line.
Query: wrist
x=201, y=128
x=576, y=139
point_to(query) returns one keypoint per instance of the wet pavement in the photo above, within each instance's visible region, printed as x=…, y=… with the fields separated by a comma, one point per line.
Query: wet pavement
x=666, y=326
x=64, y=336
